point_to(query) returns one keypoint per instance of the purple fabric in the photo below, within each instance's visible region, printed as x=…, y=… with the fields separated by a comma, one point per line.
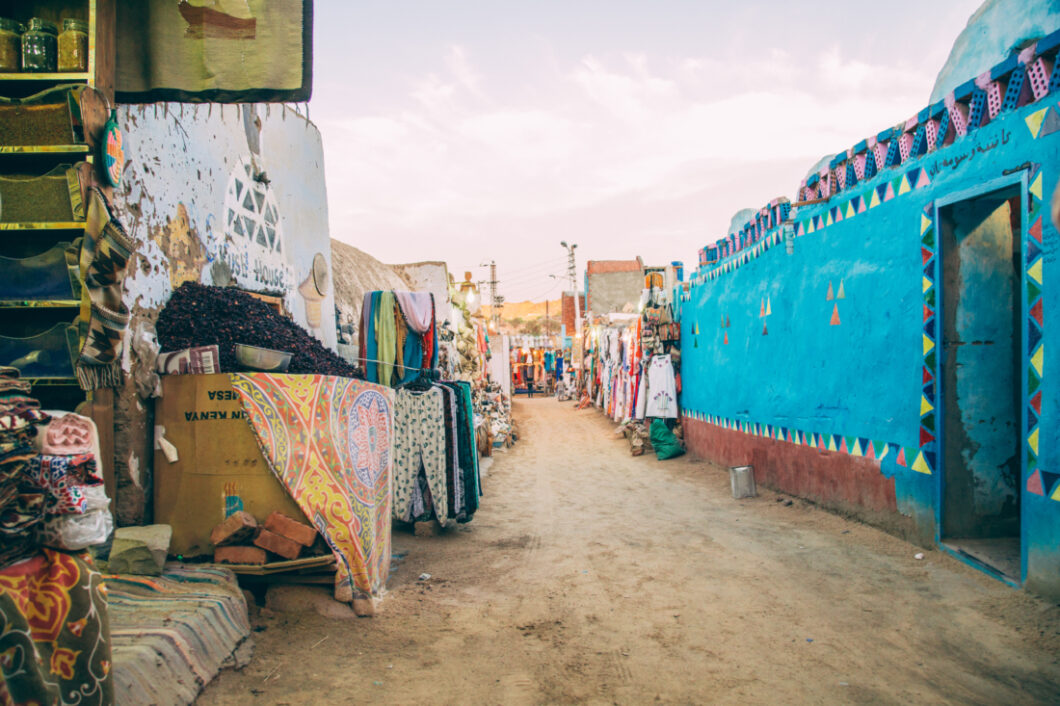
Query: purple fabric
x=418, y=308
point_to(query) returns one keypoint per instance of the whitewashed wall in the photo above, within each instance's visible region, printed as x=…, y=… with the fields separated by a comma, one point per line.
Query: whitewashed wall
x=185, y=200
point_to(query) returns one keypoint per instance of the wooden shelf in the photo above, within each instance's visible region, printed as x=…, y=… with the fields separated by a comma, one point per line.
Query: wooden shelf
x=65, y=225
x=40, y=303
x=44, y=149
x=51, y=382
x=59, y=76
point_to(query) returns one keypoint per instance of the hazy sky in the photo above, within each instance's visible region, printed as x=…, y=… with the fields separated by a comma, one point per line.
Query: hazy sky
x=464, y=131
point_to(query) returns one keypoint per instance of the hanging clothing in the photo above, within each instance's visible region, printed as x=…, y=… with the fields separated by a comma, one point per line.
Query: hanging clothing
x=466, y=481
x=662, y=389
x=452, y=455
x=419, y=442
x=386, y=337
x=398, y=336
x=418, y=308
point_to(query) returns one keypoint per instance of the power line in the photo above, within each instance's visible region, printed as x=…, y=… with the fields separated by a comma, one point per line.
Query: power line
x=525, y=274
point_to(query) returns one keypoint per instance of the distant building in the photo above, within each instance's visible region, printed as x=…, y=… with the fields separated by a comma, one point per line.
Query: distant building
x=613, y=286
x=567, y=311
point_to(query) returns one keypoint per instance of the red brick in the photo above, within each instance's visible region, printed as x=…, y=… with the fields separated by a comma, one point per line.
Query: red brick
x=238, y=555
x=291, y=529
x=287, y=548
x=604, y=267
x=237, y=528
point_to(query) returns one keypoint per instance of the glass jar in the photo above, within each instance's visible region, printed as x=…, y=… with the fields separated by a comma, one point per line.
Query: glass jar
x=40, y=46
x=10, y=45
x=73, y=45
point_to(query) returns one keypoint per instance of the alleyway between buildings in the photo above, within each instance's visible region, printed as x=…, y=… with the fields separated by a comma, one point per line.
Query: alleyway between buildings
x=590, y=576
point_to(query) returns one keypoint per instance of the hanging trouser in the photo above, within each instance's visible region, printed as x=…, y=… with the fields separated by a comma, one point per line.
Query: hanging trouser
x=452, y=453
x=473, y=483
x=419, y=440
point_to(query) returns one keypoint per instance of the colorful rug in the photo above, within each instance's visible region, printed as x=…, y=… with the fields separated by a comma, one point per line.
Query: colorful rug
x=54, y=633
x=172, y=634
x=328, y=441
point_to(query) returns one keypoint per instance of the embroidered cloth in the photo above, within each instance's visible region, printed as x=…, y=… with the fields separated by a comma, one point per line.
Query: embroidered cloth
x=328, y=441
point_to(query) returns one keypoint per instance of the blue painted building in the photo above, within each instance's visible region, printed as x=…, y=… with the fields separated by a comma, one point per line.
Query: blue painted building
x=886, y=345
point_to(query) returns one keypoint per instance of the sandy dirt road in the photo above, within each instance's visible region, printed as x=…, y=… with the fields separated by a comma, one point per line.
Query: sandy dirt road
x=590, y=576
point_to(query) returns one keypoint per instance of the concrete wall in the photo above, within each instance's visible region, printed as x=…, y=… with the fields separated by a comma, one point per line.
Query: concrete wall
x=430, y=277
x=613, y=286
x=188, y=197
x=813, y=351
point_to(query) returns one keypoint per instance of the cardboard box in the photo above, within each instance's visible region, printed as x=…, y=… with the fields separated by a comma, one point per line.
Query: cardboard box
x=220, y=464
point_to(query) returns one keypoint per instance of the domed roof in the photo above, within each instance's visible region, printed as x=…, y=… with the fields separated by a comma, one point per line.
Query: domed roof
x=996, y=30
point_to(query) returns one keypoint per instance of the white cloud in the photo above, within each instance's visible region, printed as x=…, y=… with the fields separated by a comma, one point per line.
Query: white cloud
x=461, y=159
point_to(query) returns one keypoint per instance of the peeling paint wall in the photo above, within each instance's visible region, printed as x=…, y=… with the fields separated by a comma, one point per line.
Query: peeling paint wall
x=430, y=277
x=213, y=193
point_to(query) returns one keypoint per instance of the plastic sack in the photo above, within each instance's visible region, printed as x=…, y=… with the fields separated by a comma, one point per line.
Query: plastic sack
x=76, y=532
x=663, y=440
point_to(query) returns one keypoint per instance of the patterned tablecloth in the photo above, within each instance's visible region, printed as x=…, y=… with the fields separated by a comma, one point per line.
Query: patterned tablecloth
x=328, y=440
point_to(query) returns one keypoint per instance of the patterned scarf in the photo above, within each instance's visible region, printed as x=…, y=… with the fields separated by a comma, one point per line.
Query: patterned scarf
x=105, y=253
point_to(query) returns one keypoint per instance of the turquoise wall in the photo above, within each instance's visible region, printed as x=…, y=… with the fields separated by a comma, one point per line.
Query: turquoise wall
x=831, y=337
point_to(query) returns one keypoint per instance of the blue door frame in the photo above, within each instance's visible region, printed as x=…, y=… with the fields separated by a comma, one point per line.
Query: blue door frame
x=1020, y=179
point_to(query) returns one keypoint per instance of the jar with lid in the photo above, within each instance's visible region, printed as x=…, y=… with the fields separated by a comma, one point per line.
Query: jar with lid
x=10, y=45
x=40, y=46
x=73, y=45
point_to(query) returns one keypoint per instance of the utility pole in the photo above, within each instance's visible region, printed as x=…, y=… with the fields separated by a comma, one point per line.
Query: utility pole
x=572, y=272
x=496, y=301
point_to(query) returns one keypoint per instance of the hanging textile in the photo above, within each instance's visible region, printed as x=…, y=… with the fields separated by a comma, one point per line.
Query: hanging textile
x=328, y=441
x=252, y=51
x=471, y=482
x=436, y=472
x=420, y=442
x=662, y=388
x=418, y=308
x=398, y=336
x=386, y=337
x=105, y=253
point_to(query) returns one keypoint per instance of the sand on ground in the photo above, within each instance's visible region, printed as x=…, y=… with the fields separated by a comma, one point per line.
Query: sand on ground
x=590, y=576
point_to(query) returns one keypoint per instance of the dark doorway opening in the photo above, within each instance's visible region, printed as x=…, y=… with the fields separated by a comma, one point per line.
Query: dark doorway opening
x=980, y=381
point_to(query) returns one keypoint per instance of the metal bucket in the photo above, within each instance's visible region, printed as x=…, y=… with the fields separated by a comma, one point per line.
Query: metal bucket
x=742, y=479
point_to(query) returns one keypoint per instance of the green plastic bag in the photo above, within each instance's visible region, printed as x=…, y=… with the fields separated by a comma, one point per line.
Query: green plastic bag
x=665, y=443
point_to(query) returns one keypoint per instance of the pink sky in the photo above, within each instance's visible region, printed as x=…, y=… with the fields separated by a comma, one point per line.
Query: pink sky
x=461, y=133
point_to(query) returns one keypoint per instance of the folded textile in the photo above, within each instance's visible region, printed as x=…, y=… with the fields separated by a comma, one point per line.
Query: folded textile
x=17, y=547
x=9, y=384
x=68, y=435
x=63, y=478
x=200, y=360
x=16, y=402
x=21, y=514
x=418, y=308
x=55, y=632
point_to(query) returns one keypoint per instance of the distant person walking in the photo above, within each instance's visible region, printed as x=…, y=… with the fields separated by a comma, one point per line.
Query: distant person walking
x=529, y=377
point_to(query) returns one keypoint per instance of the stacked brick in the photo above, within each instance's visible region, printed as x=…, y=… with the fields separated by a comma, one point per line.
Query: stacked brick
x=241, y=540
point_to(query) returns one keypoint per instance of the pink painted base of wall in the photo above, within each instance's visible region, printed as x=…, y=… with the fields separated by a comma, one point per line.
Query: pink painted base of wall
x=851, y=485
